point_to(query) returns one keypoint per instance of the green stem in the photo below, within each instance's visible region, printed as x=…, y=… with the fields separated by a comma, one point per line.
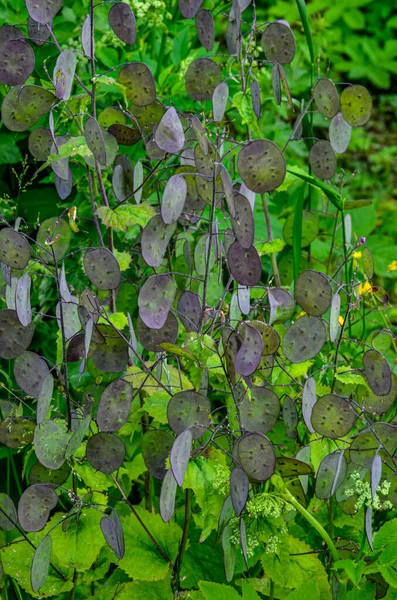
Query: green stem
x=184, y=539
x=288, y=497
x=270, y=239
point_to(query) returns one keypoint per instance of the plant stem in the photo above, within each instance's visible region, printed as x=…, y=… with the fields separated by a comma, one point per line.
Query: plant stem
x=270, y=239
x=136, y=515
x=288, y=497
x=209, y=248
x=184, y=539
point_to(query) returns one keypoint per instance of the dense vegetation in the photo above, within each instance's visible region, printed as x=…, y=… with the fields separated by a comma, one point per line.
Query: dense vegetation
x=197, y=300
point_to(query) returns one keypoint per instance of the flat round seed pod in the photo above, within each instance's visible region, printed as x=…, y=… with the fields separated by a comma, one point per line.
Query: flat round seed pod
x=122, y=21
x=346, y=501
x=271, y=339
x=292, y=467
x=282, y=305
x=310, y=228
x=155, y=237
x=23, y=106
x=334, y=315
x=286, y=266
x=313, y=292
x=173, y=199
x=278, y=43
x=111, y=147
x=153, y=151
x=243, y=221
x=155, y=300
x=40, y=142
x=340, y=134
x=322, y=160
x=64, y=187
x=366, y=444
x=167, y=496
x=244, y=299
x=262, y=166
x=260, y=414
x=330, y=475
x=102, y=268
x=249, y=355
x=15, y=251
x=326, y=97
x=110, y=356
x=30, y=370
x=105, y=452
x=256, y=456
x=50, y=441
x=40, y=474
x=244, y=264
x=22, y=299
x=189, y=8
x=332, y=416
x=148, y=116
x=54, y=238
x=16, y=432
x=70, y=317
x=205, y=29
x=63, y=75
x=139, y=83
x=14, y=337
x=60, y=166
x=151, y=338
x=123, y=178
x=8, y=507
x=126, y=135
x=43, y=11
x=94, y=139
x=189, y=310
x=169, y=134
x=239, y=488
x=377, y=372
x=356, y=105
x=156, y=447
x=231, y=345
x=34, y=506
x=111, y=115
x=9, y=32
x=75, y=351
x=290, y=417
x=304, y=339
x=114, y=405
x=38, y=32
x=16, y=62
x=202, y=77
x=219, y=101
x=372, y=403
x=368, y=262
x=189, y=408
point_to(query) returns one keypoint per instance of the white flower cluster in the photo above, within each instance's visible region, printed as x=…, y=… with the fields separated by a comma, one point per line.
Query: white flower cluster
x=363, y=490
x=265, y=505
x=273, y=544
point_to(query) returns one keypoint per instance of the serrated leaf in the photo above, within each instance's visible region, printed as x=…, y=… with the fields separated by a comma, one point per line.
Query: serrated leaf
x=126, y=215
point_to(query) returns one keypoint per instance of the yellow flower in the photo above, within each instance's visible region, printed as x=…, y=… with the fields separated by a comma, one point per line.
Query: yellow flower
x=341, y=320
x=356, y=255
x=365, y=287
x=392, y=266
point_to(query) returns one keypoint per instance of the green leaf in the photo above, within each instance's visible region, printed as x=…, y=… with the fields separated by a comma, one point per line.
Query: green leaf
x=41, y=563
x=217, y=591
x=390, y=575
x=386, y=535
x=334, y=196
x=124, y=259
x=142, y=560
x=83, y=533
x=9, y=151
x=178, y=351
x=126, y=215
x=353, y=569
x=201, y=476
x=75, y=146
x=17, y=559
x=270, y=247
x=248, y=592
x=297, y=232
x=154, y=590
x=243, y=103
x=156, y=406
